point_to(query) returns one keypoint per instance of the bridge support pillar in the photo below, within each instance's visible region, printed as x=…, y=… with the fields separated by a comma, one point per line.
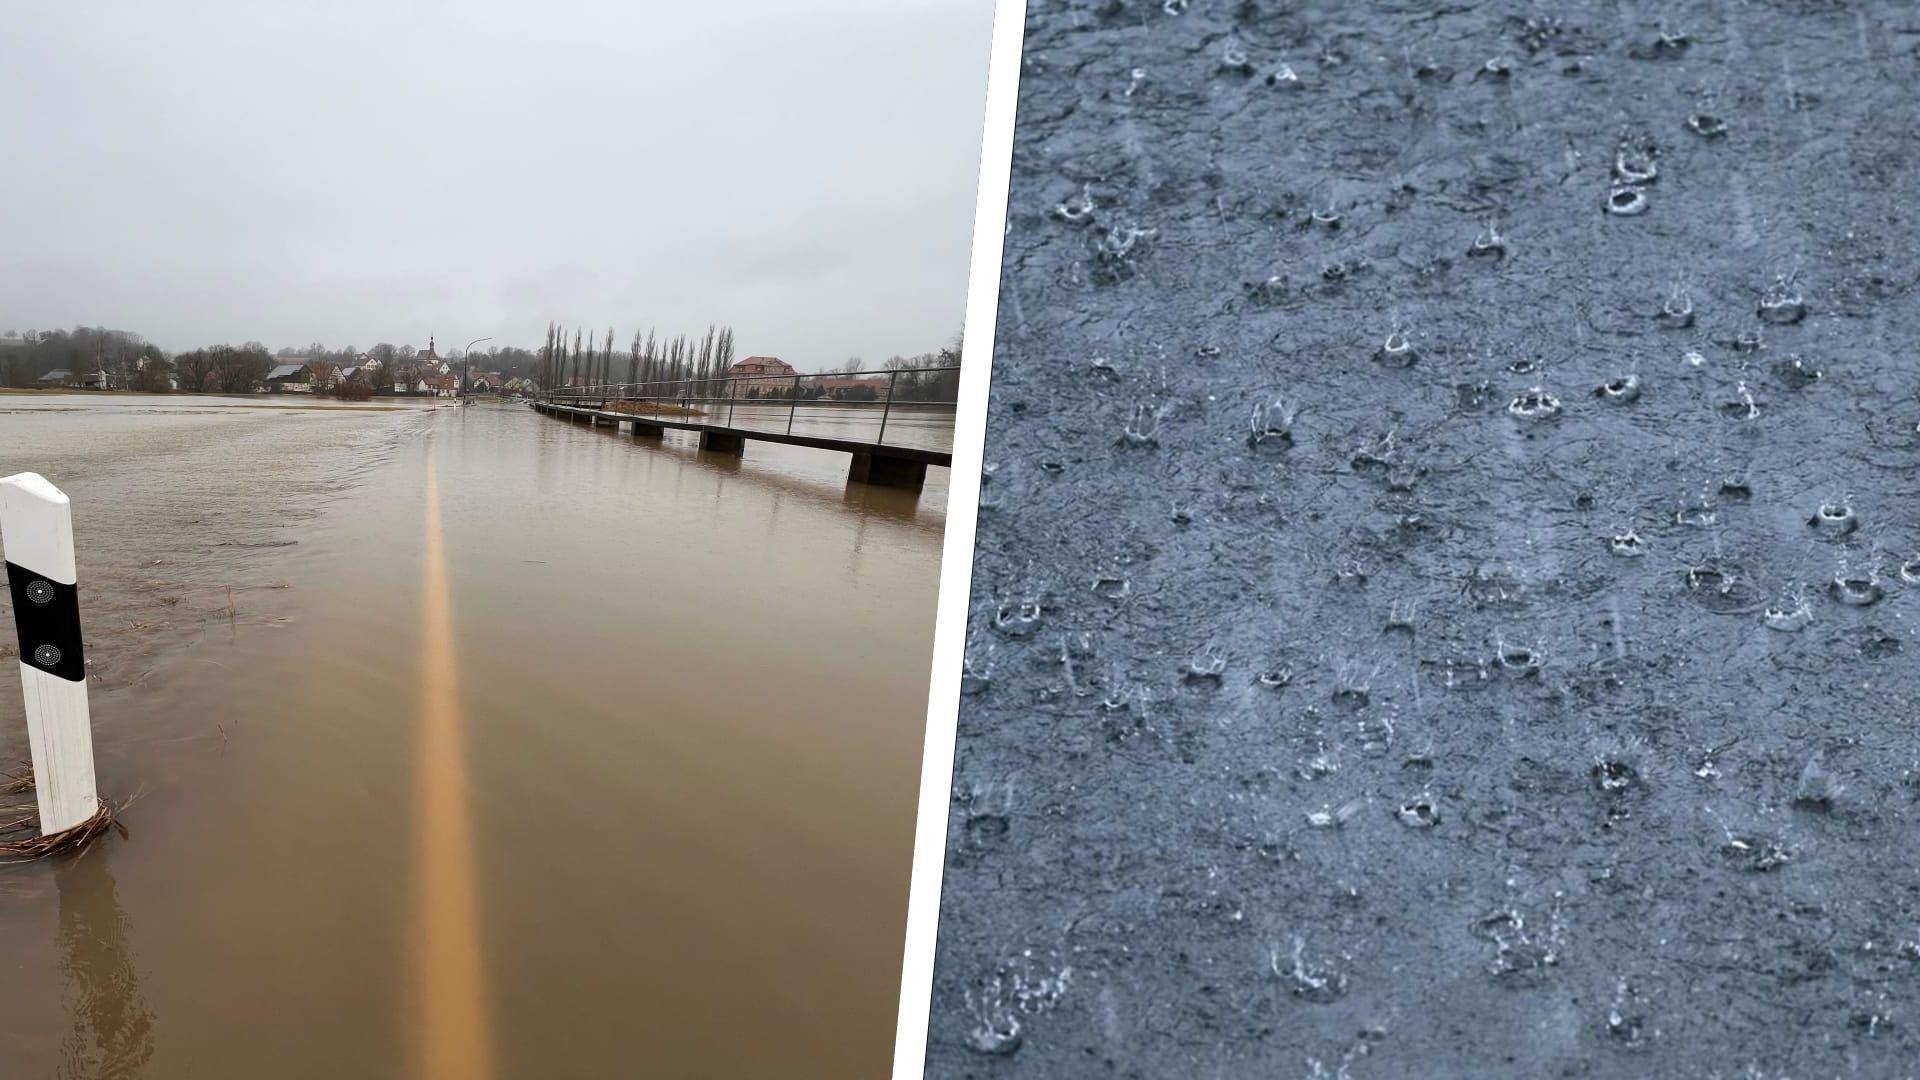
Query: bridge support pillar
x=887, y=471
x=648, y=431
x=721, y=443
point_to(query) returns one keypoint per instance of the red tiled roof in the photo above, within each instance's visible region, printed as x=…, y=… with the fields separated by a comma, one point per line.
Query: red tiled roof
x=761, y=365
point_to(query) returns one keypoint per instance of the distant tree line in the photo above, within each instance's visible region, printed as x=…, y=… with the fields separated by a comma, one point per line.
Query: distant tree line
x=648, y=359
x=223, y=369
x=584, y=359
x=929, y=376
x=25, y=356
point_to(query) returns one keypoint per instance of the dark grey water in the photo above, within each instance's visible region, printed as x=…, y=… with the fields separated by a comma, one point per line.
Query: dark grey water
x=1446, y=581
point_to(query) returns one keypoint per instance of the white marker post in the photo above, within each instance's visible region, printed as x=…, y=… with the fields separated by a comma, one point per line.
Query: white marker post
x=36, y=533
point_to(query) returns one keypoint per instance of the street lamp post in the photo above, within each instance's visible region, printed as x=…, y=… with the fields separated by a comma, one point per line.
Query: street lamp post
x=466, y=358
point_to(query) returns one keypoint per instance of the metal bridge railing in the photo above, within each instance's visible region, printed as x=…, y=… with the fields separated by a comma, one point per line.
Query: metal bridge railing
x=917, y=404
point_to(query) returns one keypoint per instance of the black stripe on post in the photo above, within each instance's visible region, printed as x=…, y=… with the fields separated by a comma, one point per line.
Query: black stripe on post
x=47, y=614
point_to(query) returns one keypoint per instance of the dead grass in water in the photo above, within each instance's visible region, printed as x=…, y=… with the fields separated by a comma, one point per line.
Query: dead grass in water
x=17, y=781
x=653, y=408
x=19, y=818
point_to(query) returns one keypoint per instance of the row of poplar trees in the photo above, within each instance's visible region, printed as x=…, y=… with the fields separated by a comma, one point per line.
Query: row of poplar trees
x=649, y=359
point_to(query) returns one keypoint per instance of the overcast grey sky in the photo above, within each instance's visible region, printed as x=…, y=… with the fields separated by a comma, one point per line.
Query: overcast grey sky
x=351, y=172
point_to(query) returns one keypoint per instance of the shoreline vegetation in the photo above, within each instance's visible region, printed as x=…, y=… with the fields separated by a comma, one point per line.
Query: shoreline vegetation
x=281, y=402
x=103, y=359
x=653, y=408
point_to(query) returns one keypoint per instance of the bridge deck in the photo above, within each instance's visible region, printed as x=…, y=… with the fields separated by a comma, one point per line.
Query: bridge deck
x=822, y=442
x=877, y=463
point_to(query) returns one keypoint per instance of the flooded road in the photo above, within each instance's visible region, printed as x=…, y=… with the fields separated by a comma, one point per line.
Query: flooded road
x=469, y=742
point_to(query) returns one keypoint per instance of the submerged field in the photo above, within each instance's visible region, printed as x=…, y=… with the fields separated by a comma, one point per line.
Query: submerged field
x=463, y=734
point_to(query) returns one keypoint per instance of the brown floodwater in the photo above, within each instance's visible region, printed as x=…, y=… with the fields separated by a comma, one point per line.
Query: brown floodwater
x=468, y=742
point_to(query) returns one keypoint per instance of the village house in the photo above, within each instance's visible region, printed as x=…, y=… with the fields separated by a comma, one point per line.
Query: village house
x=754, y=367
x=488, y=382
x=427, y=357
x=291, y=377
x=140, y=368
x=297, y=375
x=56, y=377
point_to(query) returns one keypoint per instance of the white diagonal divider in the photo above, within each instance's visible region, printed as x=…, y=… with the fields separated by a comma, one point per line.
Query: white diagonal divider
x=36, y=535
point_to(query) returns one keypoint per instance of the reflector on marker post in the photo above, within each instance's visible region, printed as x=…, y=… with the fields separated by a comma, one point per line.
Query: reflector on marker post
x=36, y=536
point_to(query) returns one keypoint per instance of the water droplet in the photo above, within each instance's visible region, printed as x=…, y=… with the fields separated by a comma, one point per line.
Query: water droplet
x=1272, y=423
x=1706, y=125
x=1076, y=211
x=1330, y=817
x=1535, y=404
x=1627, y=545
x=1782, y=305
x=1626, y=202
x=1742, y=407
x=1796, y=374
x=1676, y=311
x=1613, y=776
x=1418, y=813
x=1017, y=619
x=1755, y=854
x=1267, y=293
x=1141, y=428
x=1283, y=76
x=1317, y=981
x=1397, y=351
x=1206, y=664
x=1489, y=244
x=1620, y=390
x=1834, y=520
x=1817, y=790
x=1788, y=619
x=1856, y=590
x=1635, y=168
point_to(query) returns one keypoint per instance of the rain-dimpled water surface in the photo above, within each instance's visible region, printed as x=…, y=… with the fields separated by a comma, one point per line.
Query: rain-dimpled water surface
x=1448, y=567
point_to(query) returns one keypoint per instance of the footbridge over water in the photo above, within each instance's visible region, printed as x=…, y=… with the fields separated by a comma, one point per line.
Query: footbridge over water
x=894, y=423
